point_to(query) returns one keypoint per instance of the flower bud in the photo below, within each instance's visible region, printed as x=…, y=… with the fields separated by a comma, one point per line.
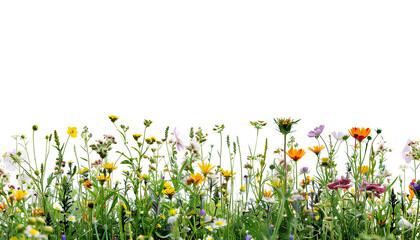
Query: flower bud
x=20, y=228
x=47, y=229
x=40, y=221
x=31, y=220
x=34, y=127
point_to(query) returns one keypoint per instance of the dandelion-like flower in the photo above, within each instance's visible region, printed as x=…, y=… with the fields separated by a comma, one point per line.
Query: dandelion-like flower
x=72, y=131
x=205, y=167
x=102, y=179
x=227, y=174
x=19, y=194
x=109, y=167
x=113, y=118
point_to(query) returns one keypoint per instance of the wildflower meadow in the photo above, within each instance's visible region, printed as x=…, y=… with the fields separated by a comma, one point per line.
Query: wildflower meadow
x=178, y=185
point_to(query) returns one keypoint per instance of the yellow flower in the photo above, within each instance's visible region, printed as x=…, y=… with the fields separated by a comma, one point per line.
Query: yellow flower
x=19, y=194
x=206, y=167
x=109, y=166
x=227, y=174
x=158, y=225
x=364, y=169
x=169, y=192
x=197, y=178
x=242, y=188
x=103, y=179
x=218, y=205
x=83, y=170
x=137, y=136
x=172, y=212
x=113, y=118
x=72, y=131
x=166, y=185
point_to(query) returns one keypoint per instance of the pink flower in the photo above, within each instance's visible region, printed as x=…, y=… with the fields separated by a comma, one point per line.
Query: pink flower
x=406, y=152
x=343, y=183
x=179, y=140
x=373, y=187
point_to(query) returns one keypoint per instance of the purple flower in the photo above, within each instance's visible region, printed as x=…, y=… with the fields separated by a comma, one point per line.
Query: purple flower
x=163, y=177
x=63, y=237
x=202, y=212
x=304, y=170
x=291, y=237
x=272, y=227
x=316, y=132
x=415, y=186
x=248, y=237
x=90, y=134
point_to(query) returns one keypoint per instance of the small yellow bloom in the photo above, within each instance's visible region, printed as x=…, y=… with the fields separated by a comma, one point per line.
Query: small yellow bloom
x=169, y=192
x=103, y=179
x=227, y=174
x=363, y=169
x=19, y=194
x=172, y=212
x=137, y=136
x=83, y=170
x=218, y=205
x=113, y=118
x=109, y=166
x=242, y=188
x=72, y=131
x=158, y=225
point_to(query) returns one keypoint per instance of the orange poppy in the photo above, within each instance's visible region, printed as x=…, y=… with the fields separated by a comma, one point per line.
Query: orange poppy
x=296, y=154
x=359, y=134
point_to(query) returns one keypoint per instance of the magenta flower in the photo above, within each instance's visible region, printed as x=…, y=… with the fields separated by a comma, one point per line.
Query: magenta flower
x=373, y=187
x=343, y=183
x=316, y=132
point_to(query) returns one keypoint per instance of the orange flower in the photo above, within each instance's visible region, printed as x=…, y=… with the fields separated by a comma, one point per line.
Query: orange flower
x=359, y=134
x=317, y=149
x=296, y=154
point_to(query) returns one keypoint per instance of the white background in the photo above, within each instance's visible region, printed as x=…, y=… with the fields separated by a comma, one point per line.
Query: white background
x=199, y=63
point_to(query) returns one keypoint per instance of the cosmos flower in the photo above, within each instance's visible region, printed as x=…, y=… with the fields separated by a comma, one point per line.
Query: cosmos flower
x=338, y=135
x=316, y=132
